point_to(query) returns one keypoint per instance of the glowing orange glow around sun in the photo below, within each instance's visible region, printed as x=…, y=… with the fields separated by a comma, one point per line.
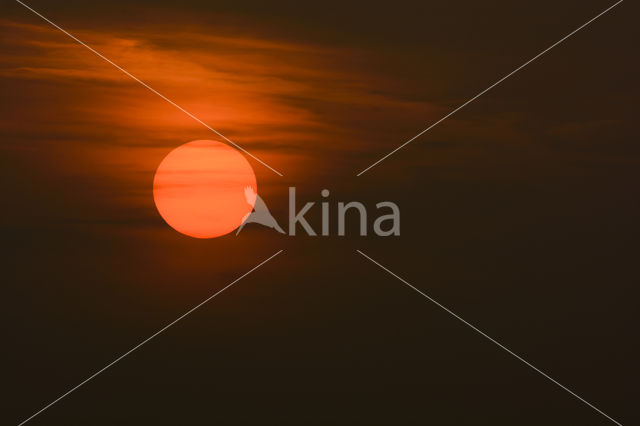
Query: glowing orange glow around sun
x=199, y=188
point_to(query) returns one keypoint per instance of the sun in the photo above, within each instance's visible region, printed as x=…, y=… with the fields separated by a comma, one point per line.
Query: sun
x=199, y=188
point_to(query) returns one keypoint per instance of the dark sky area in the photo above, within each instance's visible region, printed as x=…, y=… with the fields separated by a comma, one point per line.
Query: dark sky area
x=519, y=213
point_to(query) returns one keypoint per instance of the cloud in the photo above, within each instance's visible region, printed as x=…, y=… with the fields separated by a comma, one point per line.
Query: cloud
x=298, y=107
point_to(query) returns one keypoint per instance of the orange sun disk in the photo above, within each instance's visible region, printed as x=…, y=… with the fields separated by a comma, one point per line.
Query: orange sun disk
x=199, y=188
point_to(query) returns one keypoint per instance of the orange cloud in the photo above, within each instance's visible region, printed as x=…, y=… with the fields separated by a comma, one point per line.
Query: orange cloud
x=303, y=109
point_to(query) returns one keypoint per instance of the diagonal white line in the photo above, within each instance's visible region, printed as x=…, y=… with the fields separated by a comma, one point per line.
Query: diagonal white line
x=449, y=311
x=491, y=87
x=151, y=89
x=149, y=338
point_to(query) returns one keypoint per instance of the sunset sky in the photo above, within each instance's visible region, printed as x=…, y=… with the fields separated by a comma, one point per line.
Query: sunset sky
x=519, y=212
